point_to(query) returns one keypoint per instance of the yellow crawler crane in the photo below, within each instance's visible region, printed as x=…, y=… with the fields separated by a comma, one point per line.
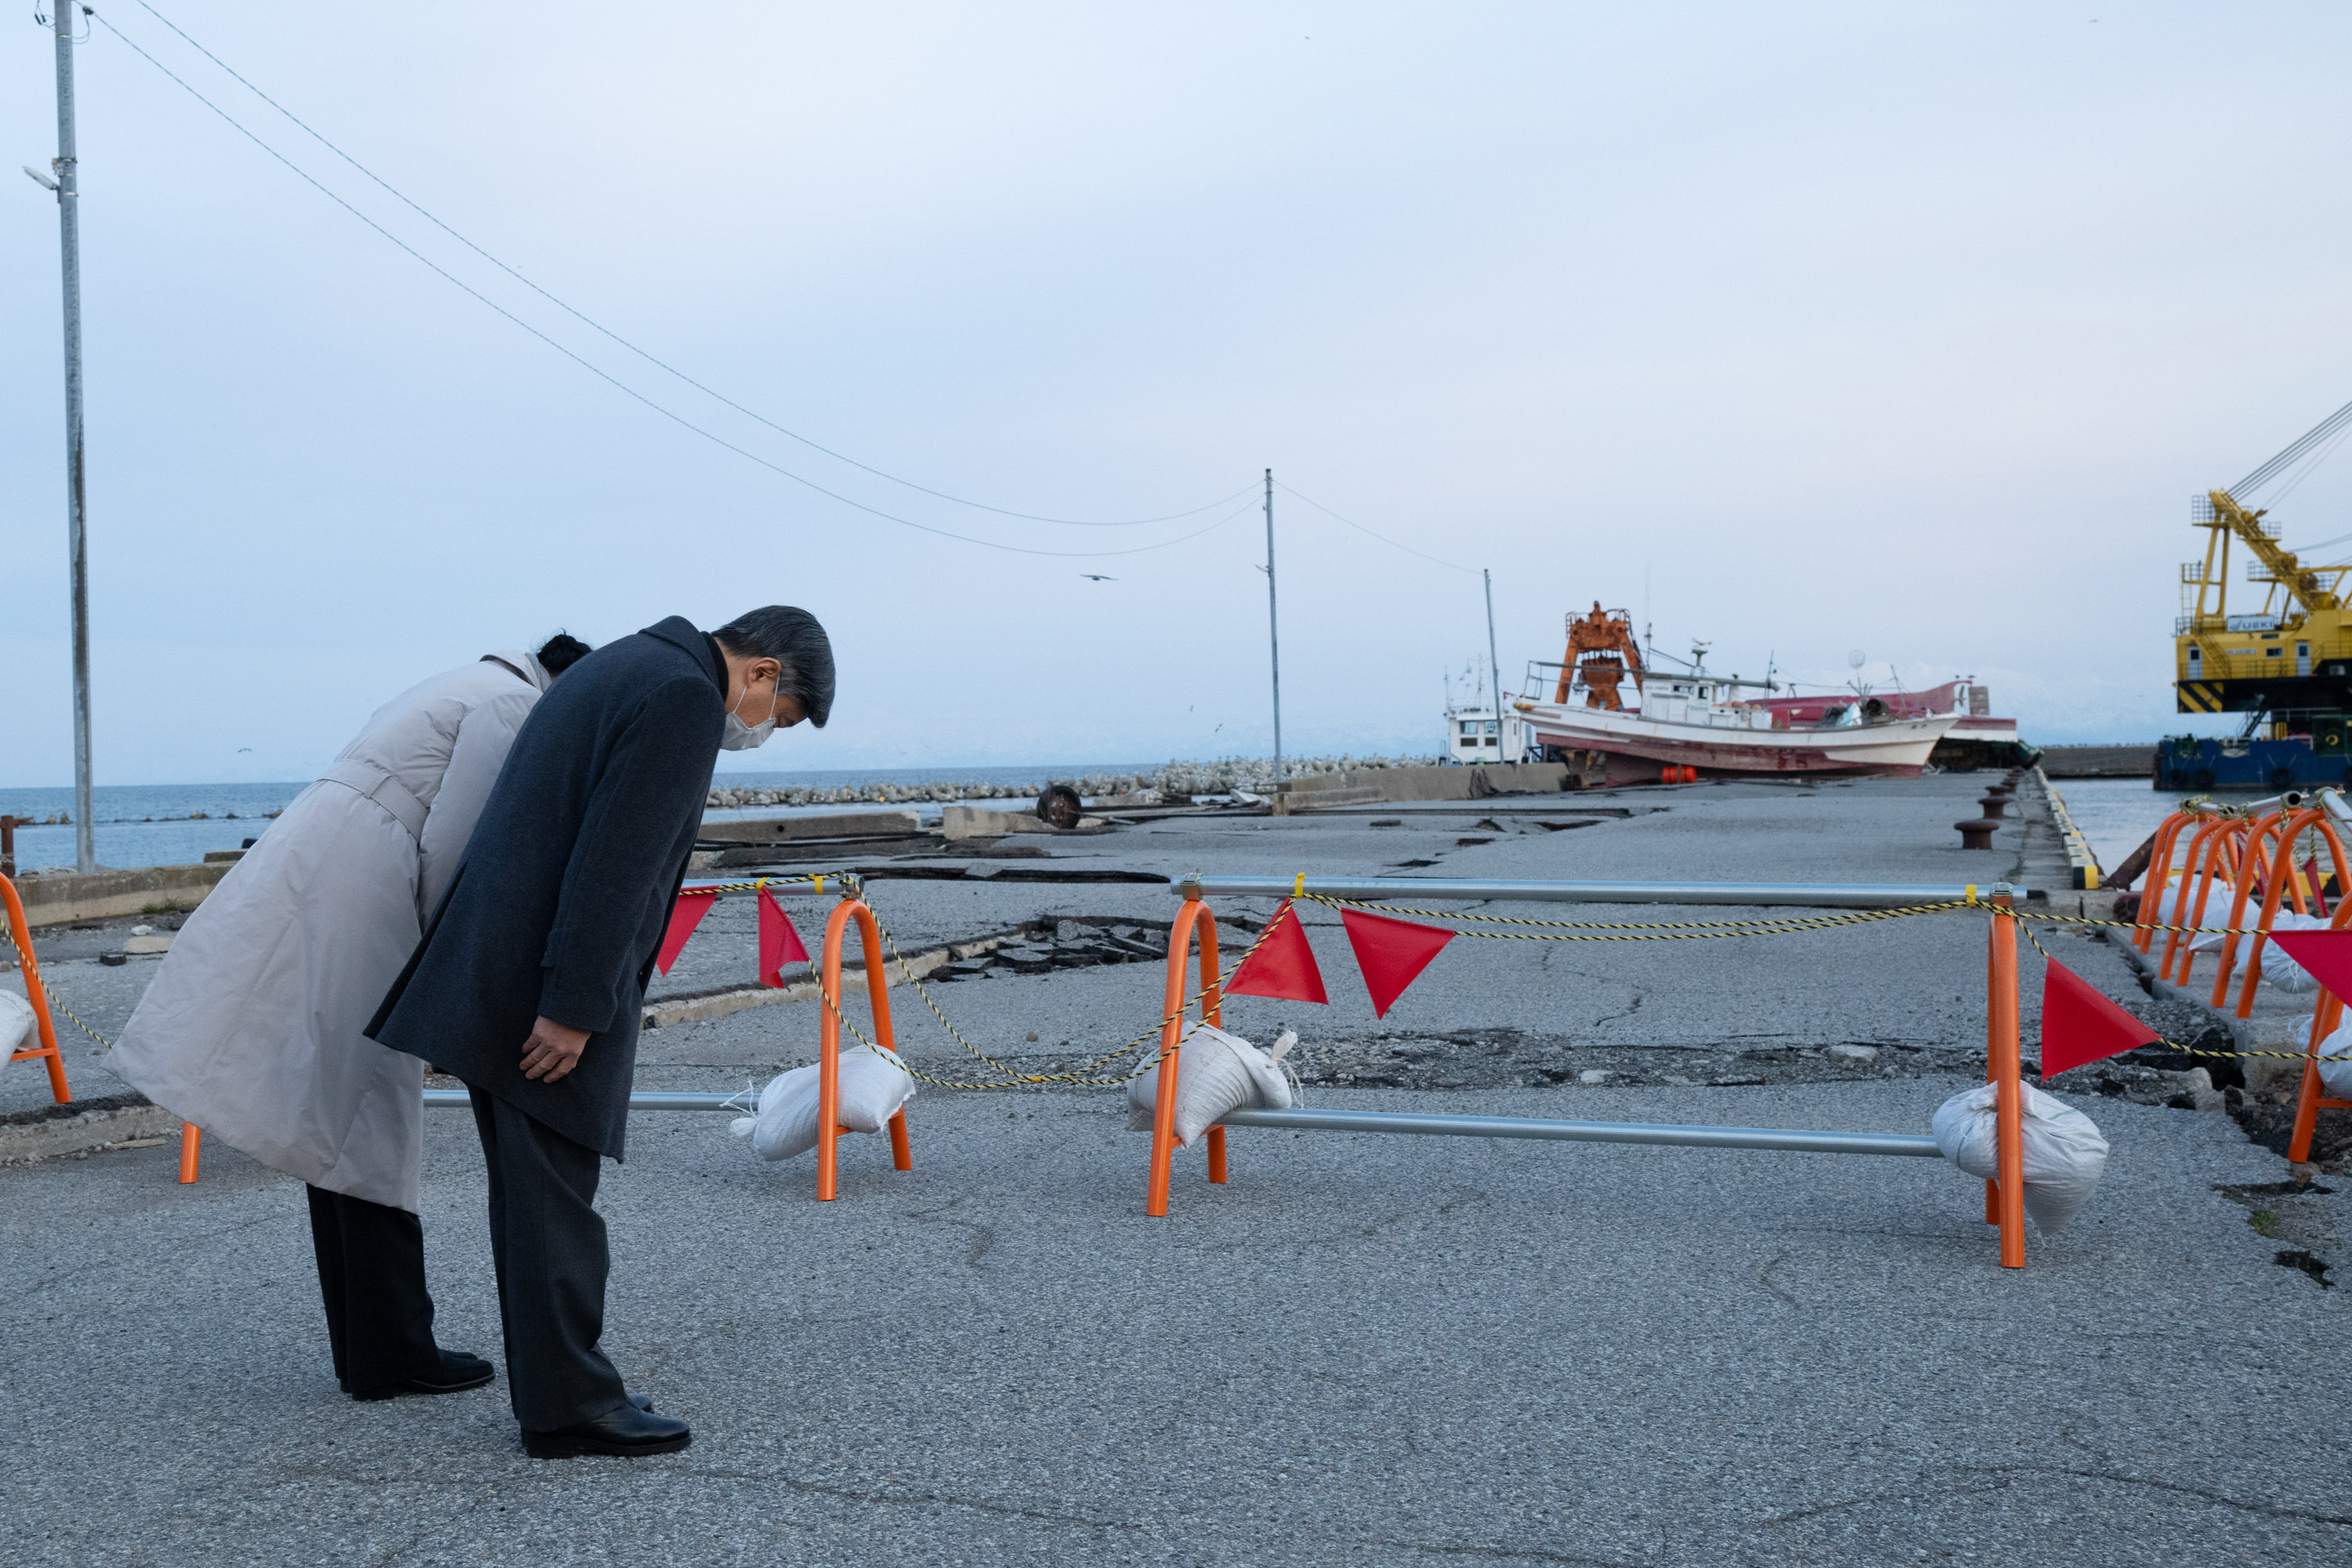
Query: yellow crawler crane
x=2289, y=663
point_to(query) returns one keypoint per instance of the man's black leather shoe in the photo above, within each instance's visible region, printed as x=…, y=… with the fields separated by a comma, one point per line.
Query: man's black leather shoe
x=457, y=1372
x=626, y=1433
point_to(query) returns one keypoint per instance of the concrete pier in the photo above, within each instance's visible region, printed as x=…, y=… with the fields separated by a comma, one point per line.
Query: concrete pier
x=1360, y=1348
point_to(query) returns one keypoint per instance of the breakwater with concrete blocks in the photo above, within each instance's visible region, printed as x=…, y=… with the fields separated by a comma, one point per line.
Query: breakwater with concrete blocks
x=1223, y=776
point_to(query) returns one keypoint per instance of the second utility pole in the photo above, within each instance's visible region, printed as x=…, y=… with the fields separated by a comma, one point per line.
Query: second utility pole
x=1273, y=628
x=77, y=557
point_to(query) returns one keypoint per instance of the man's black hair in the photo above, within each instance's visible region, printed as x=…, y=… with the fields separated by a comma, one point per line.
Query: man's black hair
x=794, y=640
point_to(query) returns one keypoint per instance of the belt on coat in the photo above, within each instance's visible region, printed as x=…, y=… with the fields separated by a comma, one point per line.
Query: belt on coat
x=373, y=783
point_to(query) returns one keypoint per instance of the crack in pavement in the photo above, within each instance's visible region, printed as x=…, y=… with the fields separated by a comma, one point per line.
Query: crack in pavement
x=1764, y=1277
x=1498, y=1553
x=2182, y=1488
x=984, y=1236
x=2118, y=1477
x=1626, y=1014
x=1860, y=1502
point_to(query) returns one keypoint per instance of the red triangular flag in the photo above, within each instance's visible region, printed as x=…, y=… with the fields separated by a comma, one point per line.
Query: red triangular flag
x=779, y=943
x=683, y=918
x=2079, y=1024
x=2312, y=882
x=1282, y=965
x=2326, y=956
x=1391, y=954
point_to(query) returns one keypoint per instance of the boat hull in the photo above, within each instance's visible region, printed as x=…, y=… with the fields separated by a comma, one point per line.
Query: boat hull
x=1899, y=748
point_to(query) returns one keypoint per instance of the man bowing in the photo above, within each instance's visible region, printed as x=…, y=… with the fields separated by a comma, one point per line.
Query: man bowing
x=531, y=979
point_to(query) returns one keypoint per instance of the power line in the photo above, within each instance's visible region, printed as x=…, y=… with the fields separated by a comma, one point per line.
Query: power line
x=1359, y=528
x=607, y=376
x=648, y=357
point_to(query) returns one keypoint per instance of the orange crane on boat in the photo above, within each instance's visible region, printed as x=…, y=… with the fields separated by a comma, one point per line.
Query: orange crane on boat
x=1600, y=650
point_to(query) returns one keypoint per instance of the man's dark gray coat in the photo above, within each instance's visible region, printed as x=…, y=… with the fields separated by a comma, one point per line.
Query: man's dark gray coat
x=559, y=903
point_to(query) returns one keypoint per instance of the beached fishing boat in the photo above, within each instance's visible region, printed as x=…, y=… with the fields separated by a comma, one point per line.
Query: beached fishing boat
x=1700, y=720
x=1691, y=722
x=1981, y=739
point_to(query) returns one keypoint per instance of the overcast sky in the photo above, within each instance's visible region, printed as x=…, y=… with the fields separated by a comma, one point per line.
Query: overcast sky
x=1907, y=329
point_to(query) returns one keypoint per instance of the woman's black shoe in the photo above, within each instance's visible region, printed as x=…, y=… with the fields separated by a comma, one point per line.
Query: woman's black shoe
x=627, y=1432
x=457, y=1372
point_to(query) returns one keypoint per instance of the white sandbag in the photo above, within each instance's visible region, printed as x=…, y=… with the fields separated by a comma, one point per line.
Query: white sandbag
x=2334, y=1063
x=1215, y=1072
x=2064, y=1151
x=2207, y=941
x=873, y=1087
x=2278, y=969
x=16, y=1024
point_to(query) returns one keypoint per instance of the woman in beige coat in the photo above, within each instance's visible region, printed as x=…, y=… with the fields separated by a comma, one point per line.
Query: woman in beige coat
x=251, y=1027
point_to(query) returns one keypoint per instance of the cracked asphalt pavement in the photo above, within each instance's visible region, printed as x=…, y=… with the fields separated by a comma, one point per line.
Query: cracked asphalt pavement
x=1361, y=1349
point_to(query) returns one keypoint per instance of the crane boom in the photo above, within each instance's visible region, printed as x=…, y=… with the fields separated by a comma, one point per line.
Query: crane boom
x=2291, y=660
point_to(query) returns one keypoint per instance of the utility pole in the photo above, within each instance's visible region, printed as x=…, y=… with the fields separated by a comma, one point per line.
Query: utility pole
x=77, y=550
x=1273, y=626
x=1494, y=667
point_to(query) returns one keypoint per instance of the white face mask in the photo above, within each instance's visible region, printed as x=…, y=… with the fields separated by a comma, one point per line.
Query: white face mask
x=742, y=737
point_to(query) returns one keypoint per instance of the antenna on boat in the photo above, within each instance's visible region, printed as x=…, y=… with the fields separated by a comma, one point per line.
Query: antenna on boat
x=1493, y=665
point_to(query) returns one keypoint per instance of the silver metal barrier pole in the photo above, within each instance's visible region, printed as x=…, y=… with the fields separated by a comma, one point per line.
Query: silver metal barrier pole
x=1918, y=1145
x=1816, y=895
x=641, y=1099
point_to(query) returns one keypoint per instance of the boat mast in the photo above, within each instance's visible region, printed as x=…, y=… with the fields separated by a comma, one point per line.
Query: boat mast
x=1494, y=669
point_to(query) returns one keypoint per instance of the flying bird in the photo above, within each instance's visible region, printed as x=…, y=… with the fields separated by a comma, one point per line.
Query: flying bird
x=1097, y=577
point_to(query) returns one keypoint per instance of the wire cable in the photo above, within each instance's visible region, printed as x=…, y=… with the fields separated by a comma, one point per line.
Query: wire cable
x=614, y=381
x=642, y=353
x=2303, y=444
x=2311, y=465
x=1359, y=528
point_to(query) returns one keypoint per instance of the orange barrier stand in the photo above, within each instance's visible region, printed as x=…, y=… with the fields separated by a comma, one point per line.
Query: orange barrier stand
x=2212, y=852
x=2283, y=879
x=1194, y=917
x=2248, y=839
x=2004, y=1195
x=2005, y=1199
x=48, y=1049
x=2159, y=869
x=2311, y=1096
x=878, y=993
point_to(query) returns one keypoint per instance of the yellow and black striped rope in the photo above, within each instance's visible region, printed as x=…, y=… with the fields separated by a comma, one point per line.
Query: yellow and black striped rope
x=849, y=880
x=2172, y=1044
x=1655, y=931
x=25, y=963
x=1687, y=930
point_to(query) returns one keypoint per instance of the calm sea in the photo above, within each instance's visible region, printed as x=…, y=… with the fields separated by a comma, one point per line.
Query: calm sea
x=175, y=825
x=2115, y=815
